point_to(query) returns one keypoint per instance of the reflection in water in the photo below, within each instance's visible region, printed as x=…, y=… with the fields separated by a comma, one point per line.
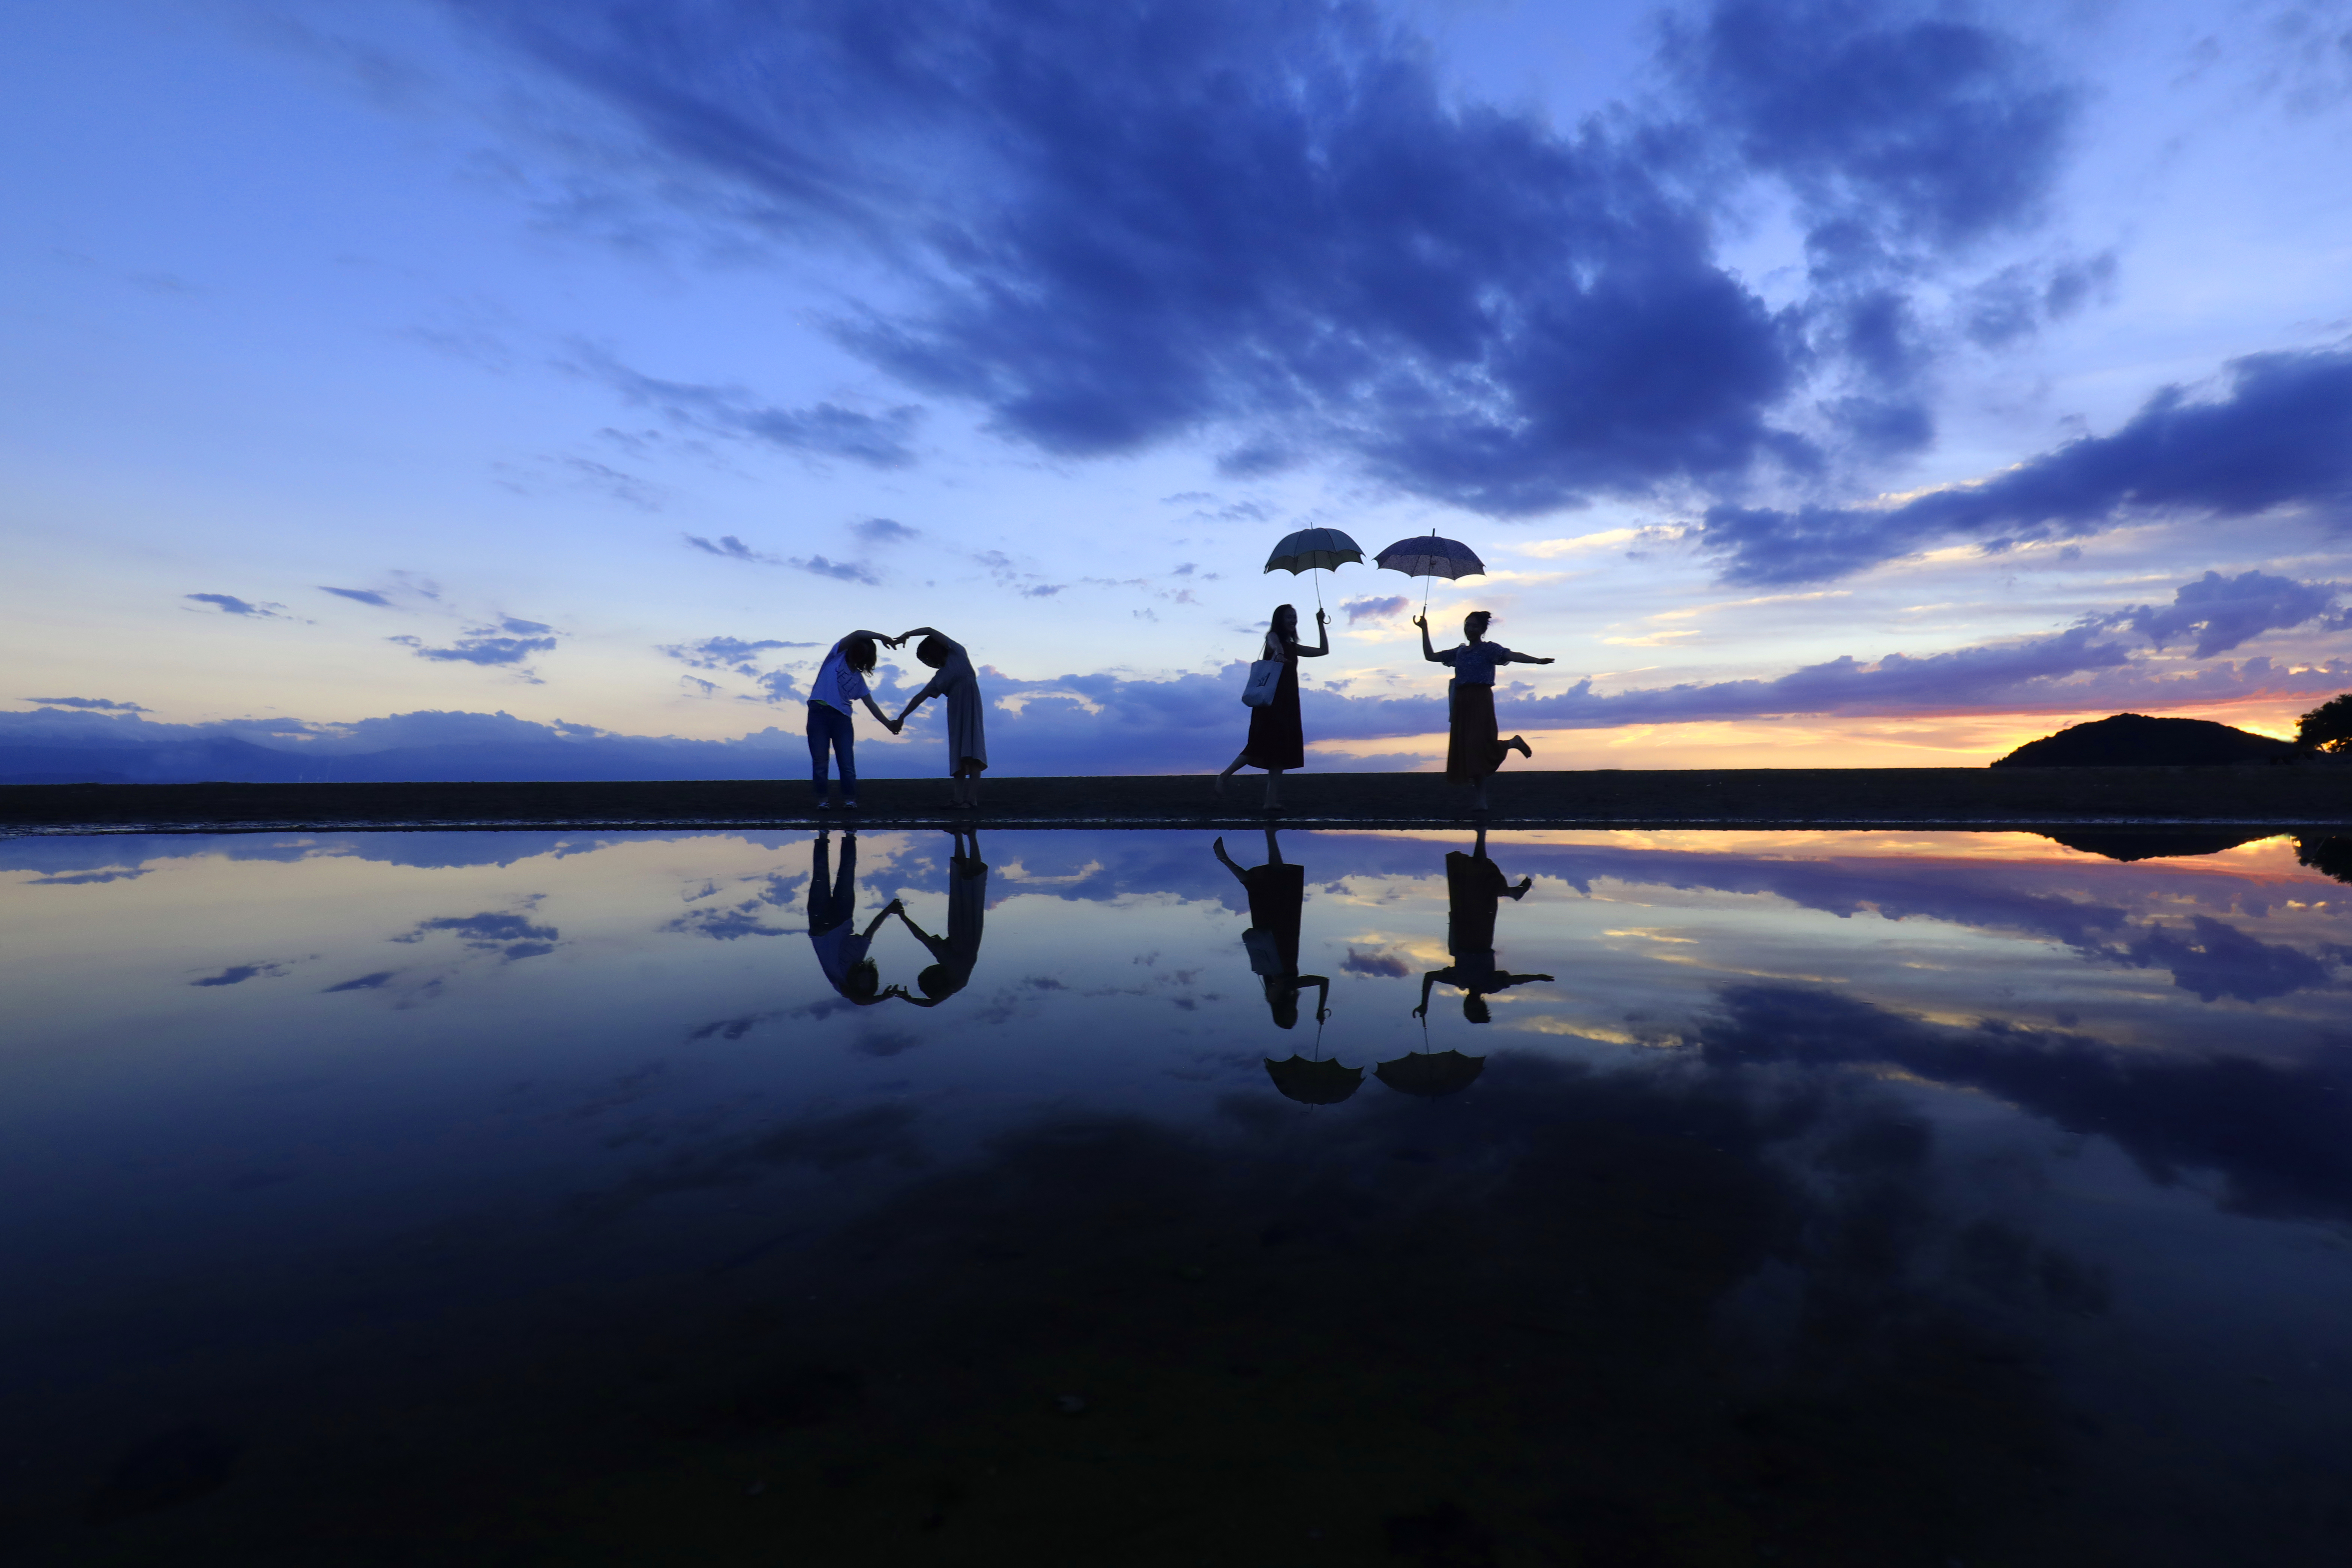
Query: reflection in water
x=841, y=947
x=2330, y=856
x=1862, y=1199
x=1474, y=890
x=2155, y=844
x=953, y=955
x=1314, y=1081
x=1277, y=900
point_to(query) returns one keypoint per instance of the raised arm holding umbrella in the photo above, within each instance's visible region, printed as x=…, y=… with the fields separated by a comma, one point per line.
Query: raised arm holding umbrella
x=1278, y=736
x=1474, y=748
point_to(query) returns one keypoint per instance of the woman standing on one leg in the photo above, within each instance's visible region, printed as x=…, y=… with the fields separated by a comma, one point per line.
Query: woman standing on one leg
x=841, y=681
x=1472, y=751
x=1474, y=890
x=967, y=733
x=1277, y=741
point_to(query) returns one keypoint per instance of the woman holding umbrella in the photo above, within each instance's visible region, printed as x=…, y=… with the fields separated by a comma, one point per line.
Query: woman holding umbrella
x=1473, y=747
x=1277, y=739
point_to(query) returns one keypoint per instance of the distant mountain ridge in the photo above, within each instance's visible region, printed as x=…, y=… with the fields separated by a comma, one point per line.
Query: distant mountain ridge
x=2138, y=740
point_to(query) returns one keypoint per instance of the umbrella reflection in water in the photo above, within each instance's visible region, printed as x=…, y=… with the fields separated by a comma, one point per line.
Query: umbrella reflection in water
x=1314, y=1082
x=1431, y=1074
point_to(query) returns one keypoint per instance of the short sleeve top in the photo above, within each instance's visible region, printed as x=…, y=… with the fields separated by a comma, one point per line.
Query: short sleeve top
x=836, y=685
x=1474, y=662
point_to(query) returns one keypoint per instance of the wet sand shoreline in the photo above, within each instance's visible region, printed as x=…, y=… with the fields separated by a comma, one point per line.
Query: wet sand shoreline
x=1920, y=798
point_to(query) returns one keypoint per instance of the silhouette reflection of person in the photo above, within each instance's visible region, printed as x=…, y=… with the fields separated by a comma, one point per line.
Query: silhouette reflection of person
x=1278, y=900
x=1474, y=890
x=832, y=925
x=953, y=955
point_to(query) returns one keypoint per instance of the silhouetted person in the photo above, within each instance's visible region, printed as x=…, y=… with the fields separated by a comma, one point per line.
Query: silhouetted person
x=958, y=685
x=1474, y=748
x=1278, y=736
x=953, y=955
x=1277, y=901
x=1474, y=890
x=839, y=685
x=832, y=925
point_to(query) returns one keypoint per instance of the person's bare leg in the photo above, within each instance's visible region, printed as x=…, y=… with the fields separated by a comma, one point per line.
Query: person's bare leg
x=1479, y=801
x=1272, y=789
x=972, y=792
x=1231, y=768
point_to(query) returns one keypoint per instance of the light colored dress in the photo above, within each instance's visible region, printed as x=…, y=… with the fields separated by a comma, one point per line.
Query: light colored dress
x=958, y=684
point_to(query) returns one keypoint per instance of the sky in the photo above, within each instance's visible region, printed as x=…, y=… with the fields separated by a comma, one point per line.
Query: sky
x=1823, y=382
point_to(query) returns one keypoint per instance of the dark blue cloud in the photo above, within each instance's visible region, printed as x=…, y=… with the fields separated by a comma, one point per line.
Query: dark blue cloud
x=2226, y=611
x=1375, y=609
x=737, y=654
x=365, y=982
x=1138, y=220
x=358, y=596
x=839, y=570
x=1923, y=126
x=730, y=548
x=484, y=646
x=825, y=429
x=91, y=704
x=512, y=936
x=2279, y=437
x=2170, y=1113
x=237, y=974
x=230, y=604
x=880, y=531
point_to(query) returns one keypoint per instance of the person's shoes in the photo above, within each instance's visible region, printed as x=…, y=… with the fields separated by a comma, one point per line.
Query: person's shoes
x=1520, y=742
x=822, y=805
x=849, y=805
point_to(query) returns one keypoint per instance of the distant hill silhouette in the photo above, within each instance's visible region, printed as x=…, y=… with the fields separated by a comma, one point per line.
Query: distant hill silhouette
x=2158, y=844
x=2136, y=740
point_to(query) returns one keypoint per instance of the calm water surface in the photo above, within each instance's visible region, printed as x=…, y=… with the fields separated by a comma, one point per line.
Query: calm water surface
x=1081, y=1198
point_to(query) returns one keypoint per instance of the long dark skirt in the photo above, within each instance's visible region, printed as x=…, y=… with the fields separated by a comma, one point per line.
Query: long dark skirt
x=1472, y=751
x=1277, y=738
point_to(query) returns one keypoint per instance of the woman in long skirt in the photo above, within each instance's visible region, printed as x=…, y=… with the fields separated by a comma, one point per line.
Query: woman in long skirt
x=1473, y=748
x=954, y=954
x=1277, y=902
x=967, y=727
x=1277, y=741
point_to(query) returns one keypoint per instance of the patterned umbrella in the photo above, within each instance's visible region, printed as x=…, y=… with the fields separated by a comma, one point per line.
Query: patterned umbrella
x=1315, y=549
x=1430, y=556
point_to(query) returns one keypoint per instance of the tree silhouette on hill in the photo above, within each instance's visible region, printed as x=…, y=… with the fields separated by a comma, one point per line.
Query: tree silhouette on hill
x=2328, y=727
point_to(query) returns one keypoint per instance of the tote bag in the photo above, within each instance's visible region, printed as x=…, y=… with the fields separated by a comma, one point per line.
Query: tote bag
x=1264, y=678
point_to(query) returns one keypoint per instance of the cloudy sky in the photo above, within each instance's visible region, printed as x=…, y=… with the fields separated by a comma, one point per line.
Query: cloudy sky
x=1823, y=382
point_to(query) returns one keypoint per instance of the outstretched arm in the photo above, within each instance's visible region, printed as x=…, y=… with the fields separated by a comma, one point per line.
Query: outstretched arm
x=1427, y=981
x=1323, y=630
x=884, y=719
x=1427, y=651
x=935, y=943
x=893, y=908
x=1506, y=980
x=885, y=639
x=1323, y=994
x=1525, y=658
